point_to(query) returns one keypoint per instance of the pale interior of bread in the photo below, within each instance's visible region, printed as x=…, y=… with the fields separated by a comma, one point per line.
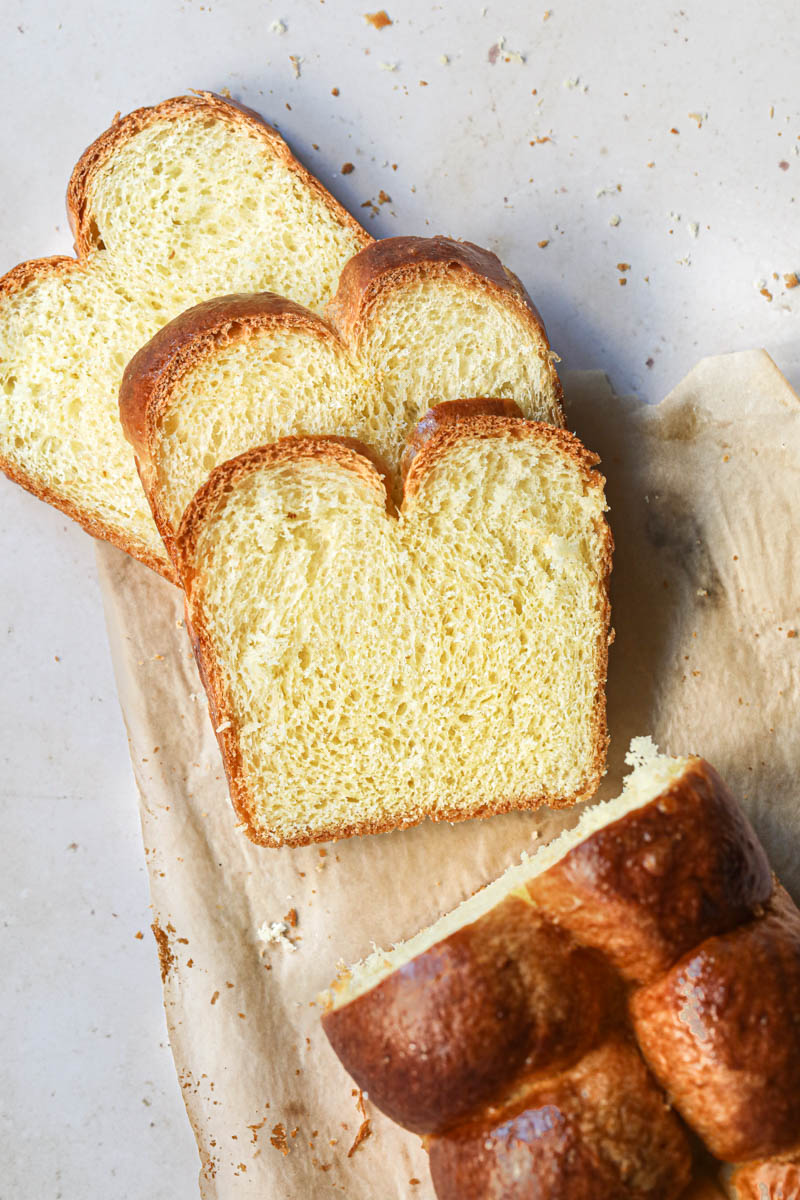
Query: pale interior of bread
x=652, y=773
x=442, y=338
x=265, y=385
x=381, y=669
x=428, y=341
x=186, y=210
x=199, y=207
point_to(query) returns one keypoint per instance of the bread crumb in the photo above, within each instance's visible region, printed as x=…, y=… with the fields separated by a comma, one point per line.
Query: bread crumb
x=386, y=66
x=295, y=60
x=378, y=20
x=699, y=117
x=278, y=27
x=444, y=59
x=791, y=633
x=694, y=229
x=674, y=130
x=615, y=220
x=764, y=291
x=278, y=1139
x=275, y=933
x=623, y=266
x=215, y=998
x=138, y=935
x=543, y=243
x=791, y=279
x=622, y=282
x=347, y=168
x=334, y=91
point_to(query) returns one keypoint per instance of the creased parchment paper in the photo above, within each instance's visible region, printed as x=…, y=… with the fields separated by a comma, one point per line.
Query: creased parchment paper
x=704, y=491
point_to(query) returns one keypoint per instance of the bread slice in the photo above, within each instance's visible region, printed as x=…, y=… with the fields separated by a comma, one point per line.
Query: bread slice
x=367, y=668
x=171, y=205
x=414, y=321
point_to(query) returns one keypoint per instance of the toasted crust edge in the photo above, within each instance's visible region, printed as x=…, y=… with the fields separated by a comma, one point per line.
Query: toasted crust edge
x=354, y=456
x=123, y=129
x=391, y=262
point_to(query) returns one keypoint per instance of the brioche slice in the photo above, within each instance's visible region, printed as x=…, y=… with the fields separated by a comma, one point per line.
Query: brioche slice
x=503, y=1030
x=171, y=205
x=415, y=321
x=368, y=668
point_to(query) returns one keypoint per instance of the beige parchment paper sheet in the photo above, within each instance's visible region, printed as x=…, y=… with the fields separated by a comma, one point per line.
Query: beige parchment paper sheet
x=704, y=492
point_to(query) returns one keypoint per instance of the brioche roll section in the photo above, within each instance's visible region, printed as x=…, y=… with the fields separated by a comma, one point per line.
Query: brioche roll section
x=456, y=1025
x=721, y=1032
x=599, y=1131
x=649, y=885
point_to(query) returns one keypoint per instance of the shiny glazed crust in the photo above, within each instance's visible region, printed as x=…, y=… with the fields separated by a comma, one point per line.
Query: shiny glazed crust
x=654, y=883
x=349, y=454
x=391, y=263
x=768, y=1180
x=442, y=1035
x=721, y=1031
x=599, y=1131
x=87, y=238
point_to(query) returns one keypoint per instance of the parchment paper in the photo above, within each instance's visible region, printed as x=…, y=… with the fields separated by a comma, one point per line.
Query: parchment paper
x=703, y=491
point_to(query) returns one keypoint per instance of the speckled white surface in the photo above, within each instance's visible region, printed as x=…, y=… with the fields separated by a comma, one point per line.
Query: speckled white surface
x=666, y=139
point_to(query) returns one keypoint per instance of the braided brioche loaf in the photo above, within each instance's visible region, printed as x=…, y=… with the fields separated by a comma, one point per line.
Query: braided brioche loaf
x=356, y=655
x=514, y=1032
x=414, y=321
x=193, y=198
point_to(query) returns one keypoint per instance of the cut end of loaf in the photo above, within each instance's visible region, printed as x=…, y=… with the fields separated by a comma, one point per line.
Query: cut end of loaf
x=652, y=772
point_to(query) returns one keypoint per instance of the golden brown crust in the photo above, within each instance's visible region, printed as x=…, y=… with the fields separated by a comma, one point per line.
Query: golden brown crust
x=449, y=1031
x=390, y=263
x=79, y=190
x=721, y=1031
x=599, y=1131
x=350, y=454
x=648, y=887
x=772, y=1179
x=155, y=371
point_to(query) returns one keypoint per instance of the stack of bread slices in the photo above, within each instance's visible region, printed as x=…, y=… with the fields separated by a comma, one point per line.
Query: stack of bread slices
x=395, y=557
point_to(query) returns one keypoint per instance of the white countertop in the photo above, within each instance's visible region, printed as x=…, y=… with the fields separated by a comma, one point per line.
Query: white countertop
x=663, y=139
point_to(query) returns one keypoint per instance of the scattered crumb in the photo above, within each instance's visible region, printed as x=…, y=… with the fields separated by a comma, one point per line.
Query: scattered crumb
x=694, y=229
x=347, y=168
x=499, y=50
x=791, y=279
x=573, y=83
x=166, y=958
x=378, y=20
x=278, y=1139
x=699, y=117
x=791, y=633
x=615, y=220
x=783, y=164
x=543, y=243
x=138, y=935
x=291, y=918
x=423, y=83
x=650, y=362
x=226, y=92
x=547, y=14
x=275, y=933
x=674, y=130
x=766, y=293
x=608, y=189
x=622, y=282
x=278, y=27
x=384, y=66
x=295, y=60
x=540, y=141
x=444, y=59
x=623, y=266
x=334, y=91
x=384, y=197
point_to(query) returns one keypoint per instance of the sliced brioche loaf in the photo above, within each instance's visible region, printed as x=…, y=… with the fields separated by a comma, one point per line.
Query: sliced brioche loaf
x=470, y=1031
x=368, y=669
x=415, y=321
x=173, y=204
